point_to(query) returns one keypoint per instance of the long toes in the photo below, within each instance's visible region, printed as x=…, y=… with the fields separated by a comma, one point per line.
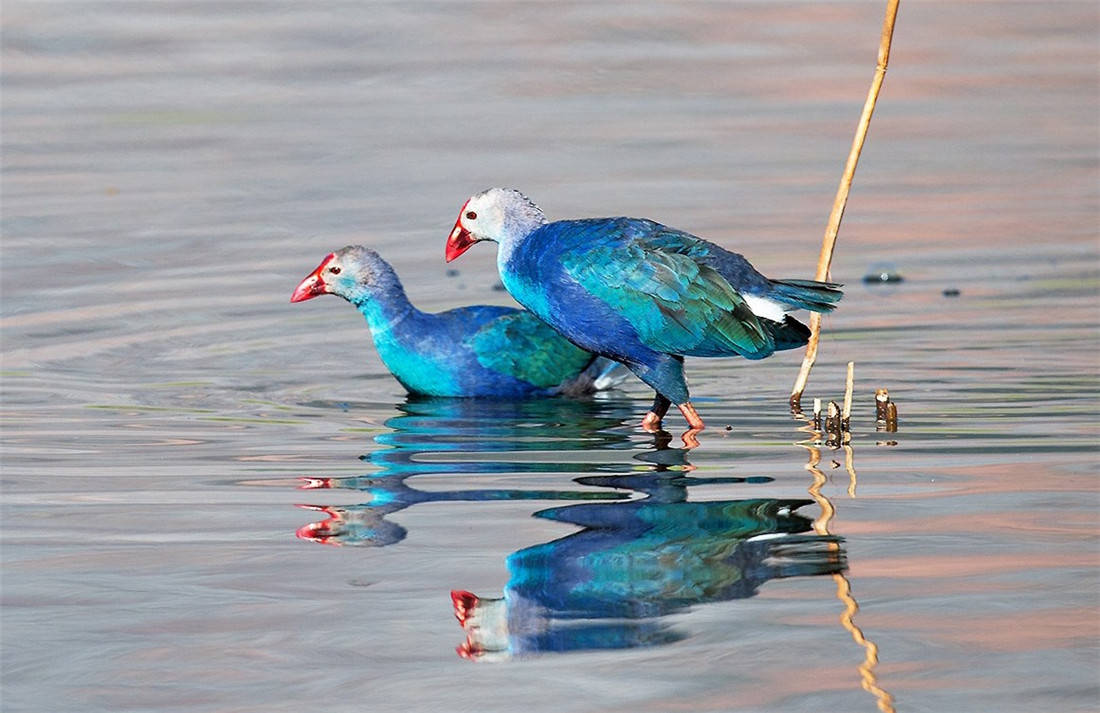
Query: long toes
x=651, y=422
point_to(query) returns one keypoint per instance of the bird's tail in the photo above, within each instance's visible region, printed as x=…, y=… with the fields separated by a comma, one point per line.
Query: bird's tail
x=788, y=334
x=778, y=555
x=602, y=374
x=608, y=373
x=806, y=294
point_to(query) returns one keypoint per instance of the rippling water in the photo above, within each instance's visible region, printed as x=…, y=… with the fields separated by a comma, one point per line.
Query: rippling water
x=214, y=500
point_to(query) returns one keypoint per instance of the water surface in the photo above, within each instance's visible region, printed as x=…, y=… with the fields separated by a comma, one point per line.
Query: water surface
x=214, y=500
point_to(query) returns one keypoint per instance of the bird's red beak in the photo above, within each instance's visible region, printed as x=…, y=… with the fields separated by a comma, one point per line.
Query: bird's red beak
x=313, y=285
x=459, y=242
x=324, y=532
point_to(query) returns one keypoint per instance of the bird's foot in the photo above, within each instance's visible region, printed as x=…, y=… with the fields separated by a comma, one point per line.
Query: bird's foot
x=690, y=441
x=651, y=422
x=695, y=423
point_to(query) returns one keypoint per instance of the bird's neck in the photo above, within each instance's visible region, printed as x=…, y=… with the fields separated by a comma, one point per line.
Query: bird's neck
x=516, y=232
x=386, y=310
x=403, y=337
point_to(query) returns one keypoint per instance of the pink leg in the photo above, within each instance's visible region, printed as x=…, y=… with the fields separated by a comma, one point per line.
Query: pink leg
x=692, y=416
x=651, y=422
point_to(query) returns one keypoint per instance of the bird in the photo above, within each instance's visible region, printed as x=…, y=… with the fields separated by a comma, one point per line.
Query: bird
x=638, y=292
x=475, y=351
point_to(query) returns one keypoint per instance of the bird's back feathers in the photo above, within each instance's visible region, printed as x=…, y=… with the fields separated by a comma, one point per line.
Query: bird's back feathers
x=681, y=294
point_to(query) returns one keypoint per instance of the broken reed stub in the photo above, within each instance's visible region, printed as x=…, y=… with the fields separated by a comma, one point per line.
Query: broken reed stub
x=817, y=414
x=846, y=413
x=836, y=427
x=832, y=418
x=882, y=398
x=849, y=382
x=886, y=412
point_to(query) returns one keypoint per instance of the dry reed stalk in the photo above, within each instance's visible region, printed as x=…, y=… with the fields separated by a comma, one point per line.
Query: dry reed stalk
x=849, y=383
x=833, y=226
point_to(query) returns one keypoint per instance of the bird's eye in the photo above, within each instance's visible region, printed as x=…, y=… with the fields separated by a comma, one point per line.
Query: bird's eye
x=334, y=270
x=470, y=215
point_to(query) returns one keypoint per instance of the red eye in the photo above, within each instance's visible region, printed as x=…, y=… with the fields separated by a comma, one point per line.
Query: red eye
x=334, y=270
x=470, y=215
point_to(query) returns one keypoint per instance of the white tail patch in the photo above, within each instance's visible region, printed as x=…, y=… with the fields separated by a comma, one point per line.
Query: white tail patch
x=763, y=307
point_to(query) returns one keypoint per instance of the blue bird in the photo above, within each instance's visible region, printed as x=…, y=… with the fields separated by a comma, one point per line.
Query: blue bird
x=638, y=292
x=482, y=350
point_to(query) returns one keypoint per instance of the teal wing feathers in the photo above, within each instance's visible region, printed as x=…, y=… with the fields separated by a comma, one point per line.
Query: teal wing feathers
x=676, y=303
x=522, y=346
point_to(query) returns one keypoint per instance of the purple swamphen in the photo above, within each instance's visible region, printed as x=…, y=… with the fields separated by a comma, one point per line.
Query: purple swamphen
x=638, y=292
x=481, y=350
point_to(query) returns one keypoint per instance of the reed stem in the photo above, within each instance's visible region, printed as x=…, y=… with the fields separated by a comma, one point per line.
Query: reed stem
x=825, y=259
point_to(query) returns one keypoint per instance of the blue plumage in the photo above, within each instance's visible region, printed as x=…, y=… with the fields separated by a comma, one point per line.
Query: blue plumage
x=637, y=291
x=481, y=350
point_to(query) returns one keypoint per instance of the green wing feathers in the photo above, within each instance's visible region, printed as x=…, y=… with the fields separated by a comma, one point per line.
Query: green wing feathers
x=675, y=303
x=523, y=346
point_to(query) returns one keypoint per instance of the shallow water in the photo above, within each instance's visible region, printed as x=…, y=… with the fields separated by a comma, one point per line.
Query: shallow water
x=171, y=422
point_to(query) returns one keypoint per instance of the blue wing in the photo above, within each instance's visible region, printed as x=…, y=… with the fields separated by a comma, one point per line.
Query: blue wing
x=663, y=283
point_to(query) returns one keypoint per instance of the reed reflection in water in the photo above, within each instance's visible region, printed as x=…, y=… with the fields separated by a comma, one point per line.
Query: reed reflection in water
x=644, y=551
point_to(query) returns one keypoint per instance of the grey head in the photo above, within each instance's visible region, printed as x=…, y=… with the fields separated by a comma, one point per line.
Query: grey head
x=503, y=215
x=355, y=273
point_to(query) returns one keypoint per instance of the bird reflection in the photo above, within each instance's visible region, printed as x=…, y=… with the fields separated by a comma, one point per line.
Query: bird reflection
x=460, y=429
x=632, y=563
x=643, y=550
